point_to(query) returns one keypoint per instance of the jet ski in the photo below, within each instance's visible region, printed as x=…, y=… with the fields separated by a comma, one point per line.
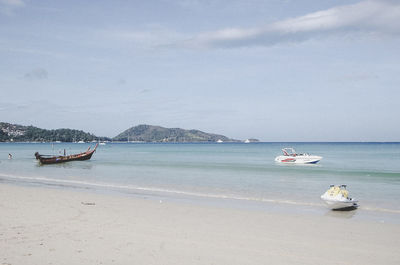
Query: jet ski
x=291, y=157
x=337, y=198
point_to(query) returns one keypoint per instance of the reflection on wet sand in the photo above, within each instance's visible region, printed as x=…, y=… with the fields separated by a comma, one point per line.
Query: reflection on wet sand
x=345, y=213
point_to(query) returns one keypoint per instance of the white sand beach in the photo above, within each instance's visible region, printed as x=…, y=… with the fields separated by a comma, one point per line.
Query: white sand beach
x=54, y=226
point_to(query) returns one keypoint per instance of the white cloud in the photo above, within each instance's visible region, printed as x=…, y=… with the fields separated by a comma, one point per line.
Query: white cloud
x=15, y=3
x=7, y=7
x=152, y=36
x=30, y=51
x=36, y=74
x=373, y=16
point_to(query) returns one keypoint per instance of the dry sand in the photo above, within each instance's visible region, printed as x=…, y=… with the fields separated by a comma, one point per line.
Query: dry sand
x=52, y=226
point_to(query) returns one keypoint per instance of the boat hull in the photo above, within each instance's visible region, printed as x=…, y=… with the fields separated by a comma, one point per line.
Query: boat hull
x=341, y=205
x=45, y=160
x=306, y=159
x=62, y=159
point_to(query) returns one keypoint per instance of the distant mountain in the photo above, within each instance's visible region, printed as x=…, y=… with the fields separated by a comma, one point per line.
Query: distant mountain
x=19, y=133
x=150, y=133
x=141, y=133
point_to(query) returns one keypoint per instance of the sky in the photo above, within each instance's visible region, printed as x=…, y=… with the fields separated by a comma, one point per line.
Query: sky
x=275, y=70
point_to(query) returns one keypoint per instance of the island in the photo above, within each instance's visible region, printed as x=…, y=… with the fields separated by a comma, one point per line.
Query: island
x=151, y=133
x=19, y=133
x=140, y=133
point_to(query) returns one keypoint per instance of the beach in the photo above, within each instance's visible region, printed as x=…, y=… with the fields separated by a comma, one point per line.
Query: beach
x=41, y=225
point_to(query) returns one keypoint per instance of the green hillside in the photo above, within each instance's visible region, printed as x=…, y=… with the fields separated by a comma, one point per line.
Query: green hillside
x=19, y=133
x=150, y=133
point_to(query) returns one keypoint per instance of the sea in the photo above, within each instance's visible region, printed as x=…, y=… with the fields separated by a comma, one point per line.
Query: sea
x=237, y=175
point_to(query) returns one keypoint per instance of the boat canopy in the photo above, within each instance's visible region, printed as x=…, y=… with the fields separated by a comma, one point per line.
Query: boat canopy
x=289, y=151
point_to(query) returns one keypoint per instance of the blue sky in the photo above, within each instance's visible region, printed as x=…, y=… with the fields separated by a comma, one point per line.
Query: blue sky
x=274, y=70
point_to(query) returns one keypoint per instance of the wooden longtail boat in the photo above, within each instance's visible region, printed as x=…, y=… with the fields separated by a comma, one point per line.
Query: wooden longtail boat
x=46, y=159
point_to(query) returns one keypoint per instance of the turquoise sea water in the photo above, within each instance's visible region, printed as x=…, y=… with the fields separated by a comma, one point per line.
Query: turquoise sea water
x=234, y=173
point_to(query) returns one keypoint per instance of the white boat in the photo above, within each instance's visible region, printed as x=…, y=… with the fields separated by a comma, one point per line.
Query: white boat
x=291, y=157
x=337, y=197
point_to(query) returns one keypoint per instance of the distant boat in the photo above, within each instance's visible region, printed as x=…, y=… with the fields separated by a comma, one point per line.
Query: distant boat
x=81, y=142
x=291, y=157
x=251, y=140
x=47, y=159
x=102, y=143
x=220, y=141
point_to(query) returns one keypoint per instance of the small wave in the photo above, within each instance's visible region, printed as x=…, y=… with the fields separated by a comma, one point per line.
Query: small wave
x=85, y=184
x=155, y=190
x=384, y=210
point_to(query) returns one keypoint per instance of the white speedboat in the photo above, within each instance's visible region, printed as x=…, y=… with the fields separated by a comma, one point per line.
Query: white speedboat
x=337, y=197
x=291, y=157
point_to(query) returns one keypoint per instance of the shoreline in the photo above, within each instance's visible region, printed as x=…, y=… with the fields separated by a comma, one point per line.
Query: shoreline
x=286, y=206
x=78, y=227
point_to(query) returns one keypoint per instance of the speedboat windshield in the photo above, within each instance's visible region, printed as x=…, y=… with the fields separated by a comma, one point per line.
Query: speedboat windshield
x=288, y=151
